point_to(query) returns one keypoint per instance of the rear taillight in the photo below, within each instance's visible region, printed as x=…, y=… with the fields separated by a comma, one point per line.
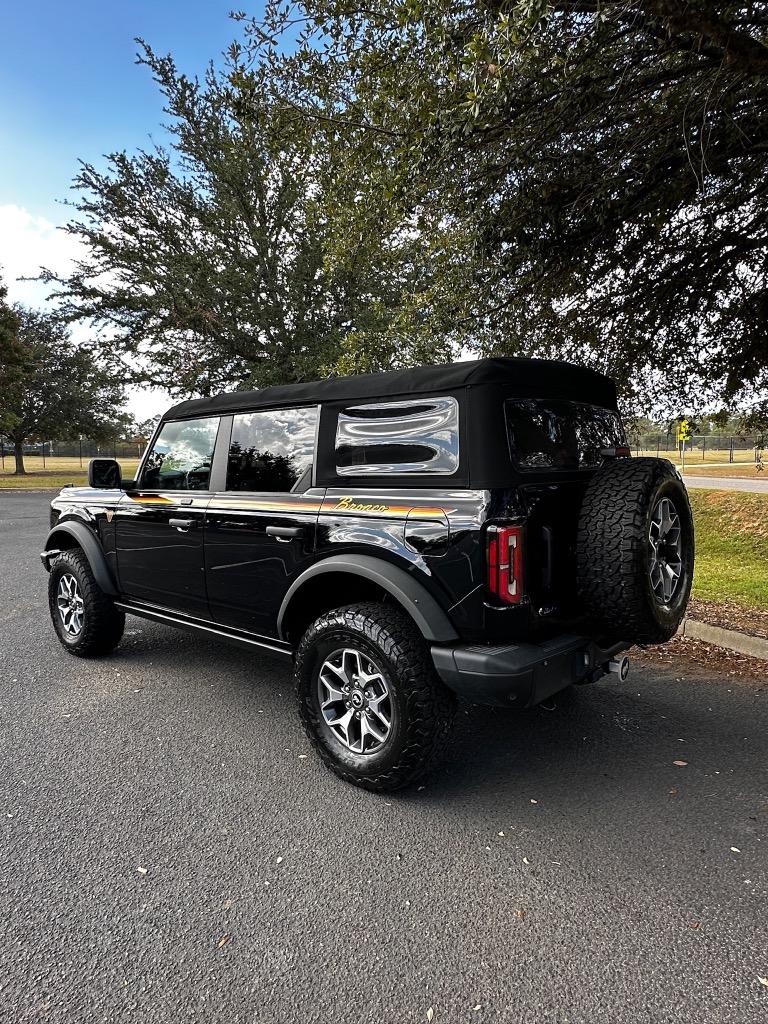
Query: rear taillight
x=505, y=562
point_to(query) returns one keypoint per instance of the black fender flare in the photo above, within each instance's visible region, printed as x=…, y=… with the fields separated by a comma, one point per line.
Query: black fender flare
x=414, y=597
x=87, y=541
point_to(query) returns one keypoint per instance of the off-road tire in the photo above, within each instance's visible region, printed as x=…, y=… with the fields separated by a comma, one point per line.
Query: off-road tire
x=103, y=623
x=424, y=706
x=613, y=553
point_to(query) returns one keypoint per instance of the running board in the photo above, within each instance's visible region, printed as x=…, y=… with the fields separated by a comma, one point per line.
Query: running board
x=218, y=632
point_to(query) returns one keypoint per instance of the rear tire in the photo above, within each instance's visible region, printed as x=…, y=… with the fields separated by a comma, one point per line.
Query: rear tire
x=370, y=700
x=635, y=550
x=85, y=618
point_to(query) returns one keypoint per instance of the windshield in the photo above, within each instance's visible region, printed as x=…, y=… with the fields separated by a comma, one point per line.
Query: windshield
x=555, y=434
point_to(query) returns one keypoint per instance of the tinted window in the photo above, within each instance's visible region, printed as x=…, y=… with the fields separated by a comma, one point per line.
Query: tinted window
x=181, y=456
x=272, y=451
x=561, y=435
x=398, y=438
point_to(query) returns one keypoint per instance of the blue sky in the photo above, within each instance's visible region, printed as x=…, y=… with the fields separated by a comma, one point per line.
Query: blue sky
x=69, y=87
x=69, y=90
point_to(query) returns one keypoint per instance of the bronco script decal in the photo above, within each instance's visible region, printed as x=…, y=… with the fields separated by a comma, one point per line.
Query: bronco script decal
x=347, y=504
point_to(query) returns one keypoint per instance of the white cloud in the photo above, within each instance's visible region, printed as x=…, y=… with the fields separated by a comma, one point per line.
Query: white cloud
x=27, y=243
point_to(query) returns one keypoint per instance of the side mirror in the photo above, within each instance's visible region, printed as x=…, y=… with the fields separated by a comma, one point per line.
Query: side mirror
x=104, y=474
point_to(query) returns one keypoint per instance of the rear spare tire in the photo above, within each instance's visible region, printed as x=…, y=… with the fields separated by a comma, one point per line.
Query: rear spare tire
x=635, y=549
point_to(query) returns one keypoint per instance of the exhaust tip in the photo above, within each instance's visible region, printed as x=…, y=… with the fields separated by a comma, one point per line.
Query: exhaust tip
x=619, y=667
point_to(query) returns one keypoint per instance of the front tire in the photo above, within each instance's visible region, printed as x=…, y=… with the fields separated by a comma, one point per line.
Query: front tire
x=370, y=700
x=85, y=618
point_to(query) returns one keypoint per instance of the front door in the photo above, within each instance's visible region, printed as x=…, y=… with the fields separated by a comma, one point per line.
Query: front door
x=161, y=523
x=260, y=530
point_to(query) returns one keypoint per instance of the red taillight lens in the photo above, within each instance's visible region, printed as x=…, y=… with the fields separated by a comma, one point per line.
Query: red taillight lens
x=505, y=562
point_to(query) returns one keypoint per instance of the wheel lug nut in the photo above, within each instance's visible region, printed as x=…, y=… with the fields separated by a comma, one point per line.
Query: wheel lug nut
x=349, y=703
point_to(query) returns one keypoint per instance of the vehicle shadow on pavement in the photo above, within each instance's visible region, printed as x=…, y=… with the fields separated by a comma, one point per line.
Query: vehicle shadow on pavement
x=606, y=742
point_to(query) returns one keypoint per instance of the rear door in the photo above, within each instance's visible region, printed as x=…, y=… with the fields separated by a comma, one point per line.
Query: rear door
x=160, y=522
x=260, y=529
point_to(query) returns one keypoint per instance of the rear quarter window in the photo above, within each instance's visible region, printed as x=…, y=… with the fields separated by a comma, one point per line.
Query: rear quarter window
x=398, y=438
x=556, y=434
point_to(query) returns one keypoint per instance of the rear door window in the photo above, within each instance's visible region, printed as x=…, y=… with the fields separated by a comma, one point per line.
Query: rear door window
x=556, y=434
x=272, y=450
x=180, y=459
x=398, y=438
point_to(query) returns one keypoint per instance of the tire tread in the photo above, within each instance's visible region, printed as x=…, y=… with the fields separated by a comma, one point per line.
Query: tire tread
x=103, y=623
x=612, y=548
x=430, y=704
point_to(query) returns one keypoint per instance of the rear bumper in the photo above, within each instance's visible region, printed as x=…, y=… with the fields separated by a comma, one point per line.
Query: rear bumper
x=520, y=675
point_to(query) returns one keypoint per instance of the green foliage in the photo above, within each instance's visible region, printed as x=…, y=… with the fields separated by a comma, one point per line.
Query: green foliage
x=362, y=187
x=59, y=391
x=755, y=420
x=12, y=357
x=238, y=257
x=601, y=164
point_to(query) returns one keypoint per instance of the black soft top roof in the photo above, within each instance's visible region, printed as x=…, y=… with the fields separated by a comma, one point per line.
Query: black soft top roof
x=525, y=378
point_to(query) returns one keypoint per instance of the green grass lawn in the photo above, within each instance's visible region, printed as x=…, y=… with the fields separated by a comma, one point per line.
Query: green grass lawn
x=57, y=472
x=731, y=547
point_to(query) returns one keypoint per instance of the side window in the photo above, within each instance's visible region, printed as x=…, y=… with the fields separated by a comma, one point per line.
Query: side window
x=399, y=438
x=181, y=456
x=272, y=450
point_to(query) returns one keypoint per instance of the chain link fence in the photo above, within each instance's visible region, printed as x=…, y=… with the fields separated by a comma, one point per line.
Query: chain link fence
x=49, y=453
x=711, y=449
x=725, y=449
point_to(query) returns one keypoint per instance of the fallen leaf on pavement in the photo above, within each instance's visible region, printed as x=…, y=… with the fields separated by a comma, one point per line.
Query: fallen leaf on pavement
x=520, y=915
x=430, y=1013
x=142, y=871
x=222, y=942
x=680, y=764
x=735, y=849
x=763, y=981
x=526, y=861
x=695, y=924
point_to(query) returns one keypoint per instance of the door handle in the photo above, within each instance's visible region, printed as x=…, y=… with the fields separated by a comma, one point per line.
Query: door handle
x=181, y=524
x=285, y=532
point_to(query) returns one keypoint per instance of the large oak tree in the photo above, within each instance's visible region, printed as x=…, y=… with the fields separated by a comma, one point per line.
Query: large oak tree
x=605, y=162
x=396, y=182
x=234, y=257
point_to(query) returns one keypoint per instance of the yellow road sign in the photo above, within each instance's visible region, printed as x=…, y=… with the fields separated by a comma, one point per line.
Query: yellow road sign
x=683, y=430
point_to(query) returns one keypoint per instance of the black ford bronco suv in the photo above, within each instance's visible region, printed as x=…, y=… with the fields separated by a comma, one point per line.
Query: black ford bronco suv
x=476, y=529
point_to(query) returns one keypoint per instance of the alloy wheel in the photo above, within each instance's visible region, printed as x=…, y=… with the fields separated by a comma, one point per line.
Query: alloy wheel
x=69, y=601
x=665, y=542
x=355, y=700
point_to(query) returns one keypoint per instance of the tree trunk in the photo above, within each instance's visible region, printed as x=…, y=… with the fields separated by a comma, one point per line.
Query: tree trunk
x=18, y=451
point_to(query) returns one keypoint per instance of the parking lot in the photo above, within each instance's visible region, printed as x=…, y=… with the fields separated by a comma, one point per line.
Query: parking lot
x=172, y=851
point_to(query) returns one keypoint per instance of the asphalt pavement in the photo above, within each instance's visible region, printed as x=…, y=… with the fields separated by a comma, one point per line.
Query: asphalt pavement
x=172, y=851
